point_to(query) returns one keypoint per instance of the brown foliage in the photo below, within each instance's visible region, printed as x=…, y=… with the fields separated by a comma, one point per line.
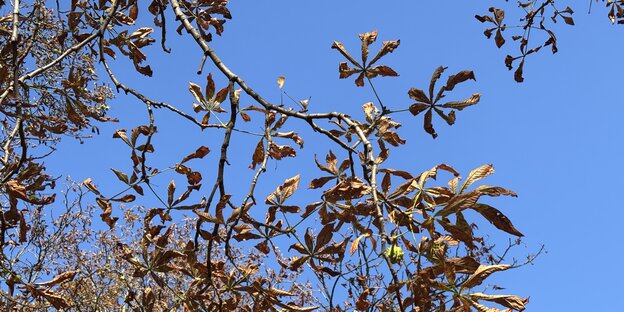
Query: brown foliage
x=411, y=246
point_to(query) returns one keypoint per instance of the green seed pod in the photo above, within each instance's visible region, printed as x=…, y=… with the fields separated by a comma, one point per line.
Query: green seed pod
x=395, y=254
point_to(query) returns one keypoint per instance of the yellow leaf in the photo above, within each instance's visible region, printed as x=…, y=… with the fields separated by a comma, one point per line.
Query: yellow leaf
x=280, y=81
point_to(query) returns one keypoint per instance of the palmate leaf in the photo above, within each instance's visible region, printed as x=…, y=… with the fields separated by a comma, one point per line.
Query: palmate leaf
x=362, y=68
x=283, y=191
x=209, y=101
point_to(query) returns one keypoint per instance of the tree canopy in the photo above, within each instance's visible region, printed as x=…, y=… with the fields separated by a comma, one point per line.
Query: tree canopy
x=218, y=226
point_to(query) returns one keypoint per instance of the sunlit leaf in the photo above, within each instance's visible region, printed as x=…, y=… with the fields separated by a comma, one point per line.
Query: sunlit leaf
x=482, y=273
x=280, y=81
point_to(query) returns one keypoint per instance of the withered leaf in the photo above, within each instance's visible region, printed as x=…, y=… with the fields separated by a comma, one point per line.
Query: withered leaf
x=320, y=182
x=258, y=155
x=477, y=174
x=23, y=228
x=345, y=71
x=170, y=190
x=324, y=236
x=568, y=19
x=283, y=191
x=428, y=125
x=362, y=303
x=457, y=233
x=106, y=206
x=65, y=276
x=450, y=118
x=144, y=70
x=299, y=247
x=482, y=273
x=201, y=152
x=290, y=135
x=55, y=299
x=364, y=69
x=499, y=39
x=458, y=78
x=141, y=33
x=331, y=161
x=381, y=70
x=292, y=307
x=290, y=208
x=355, y=244
x=459, y=203
x=466, y=265
x=210, y=87
x=280, y=81
x=263, y=247
x=125, y=199
x=495, y=191
x=340, y=47
x=497, y=218
x=121, y=176
x=88, y=183
x=221, y=205
x=297, y=262
x=134, y=10
x=512, y=302
x=418, y=95
x=434, y=78
x=387, y=47
x=350, y=188
x=367, y=39
x=518, y=73
x=370, y=111
x=206, y=217
x=459, y=105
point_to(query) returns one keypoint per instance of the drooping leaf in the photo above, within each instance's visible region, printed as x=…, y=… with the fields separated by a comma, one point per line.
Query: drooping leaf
x=460, y=77
x=201, y=152
x=482, y=273
x=495, y=191
x=57, y=280
x=497, y=218
x=258, y=155
x=428, y=125
x=512, y=302
x=88, y=183
x=170, y=190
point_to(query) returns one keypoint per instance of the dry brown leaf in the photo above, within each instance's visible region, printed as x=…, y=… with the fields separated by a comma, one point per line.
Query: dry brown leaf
x=482, y=273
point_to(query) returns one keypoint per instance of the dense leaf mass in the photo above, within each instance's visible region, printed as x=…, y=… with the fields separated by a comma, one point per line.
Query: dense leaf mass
x=374, y=238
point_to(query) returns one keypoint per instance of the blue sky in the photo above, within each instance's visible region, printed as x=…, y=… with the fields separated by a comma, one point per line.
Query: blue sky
x=555, y=139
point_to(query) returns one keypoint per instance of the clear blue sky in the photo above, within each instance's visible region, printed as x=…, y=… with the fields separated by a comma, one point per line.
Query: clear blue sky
x=555, y=139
